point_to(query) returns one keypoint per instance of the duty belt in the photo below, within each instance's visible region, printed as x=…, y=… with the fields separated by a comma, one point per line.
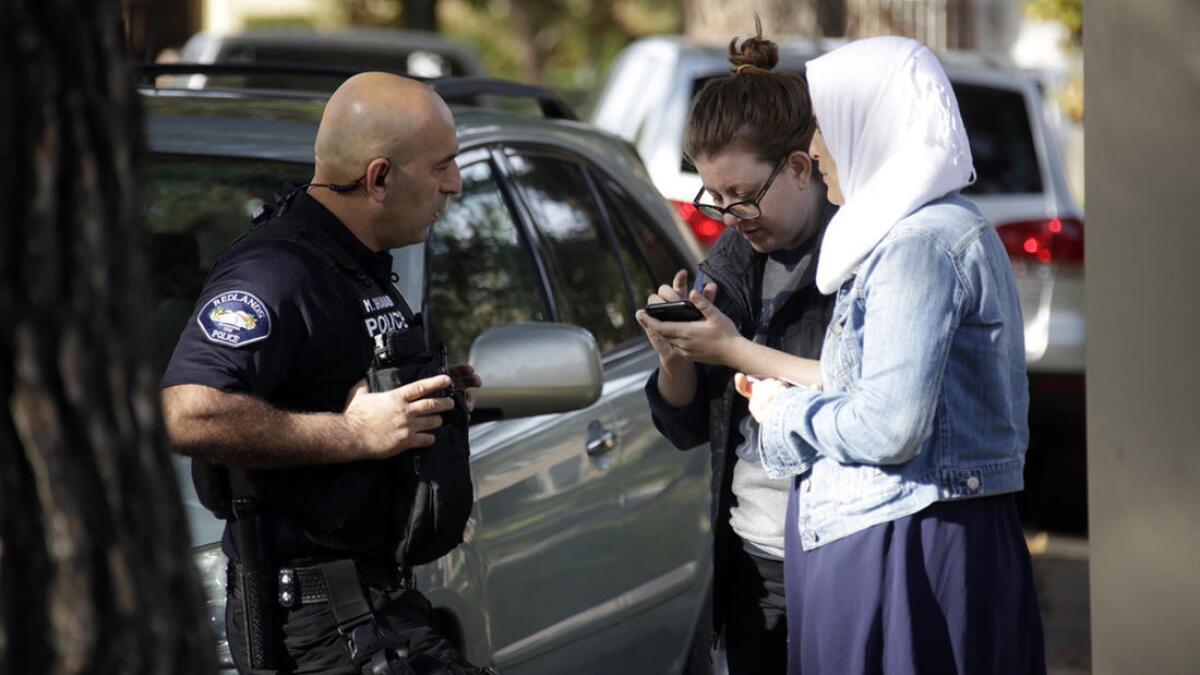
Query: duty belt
x=306, y=585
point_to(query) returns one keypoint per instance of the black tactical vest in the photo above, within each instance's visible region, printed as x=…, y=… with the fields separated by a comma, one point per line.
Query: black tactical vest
x=412, y=507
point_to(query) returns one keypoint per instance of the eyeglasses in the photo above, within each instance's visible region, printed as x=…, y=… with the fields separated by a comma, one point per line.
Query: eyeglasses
x=747, y=209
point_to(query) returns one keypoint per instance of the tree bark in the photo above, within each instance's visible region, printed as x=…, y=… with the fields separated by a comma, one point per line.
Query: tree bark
x=528, y=56
x=831, y=18
x=721, y=20
x=420, y=15
x=95, y=570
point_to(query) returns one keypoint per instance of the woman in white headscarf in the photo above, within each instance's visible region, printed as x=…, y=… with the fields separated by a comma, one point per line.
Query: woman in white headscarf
x=904, y=552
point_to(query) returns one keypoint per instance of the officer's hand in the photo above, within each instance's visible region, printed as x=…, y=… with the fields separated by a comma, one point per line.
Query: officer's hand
x=387, y=423
x=465, y=378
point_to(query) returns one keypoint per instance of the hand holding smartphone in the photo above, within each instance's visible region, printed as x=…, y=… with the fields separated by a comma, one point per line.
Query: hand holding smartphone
x=679, y=310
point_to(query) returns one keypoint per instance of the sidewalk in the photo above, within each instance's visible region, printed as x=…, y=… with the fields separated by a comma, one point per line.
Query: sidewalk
x=1060, y=570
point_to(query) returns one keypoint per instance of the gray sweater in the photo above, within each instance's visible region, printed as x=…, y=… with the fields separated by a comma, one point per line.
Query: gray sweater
x=758, y=514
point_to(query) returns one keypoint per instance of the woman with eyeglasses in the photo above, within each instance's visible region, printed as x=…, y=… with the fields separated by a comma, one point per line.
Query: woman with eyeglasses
x=747, y=135
x=905, y=554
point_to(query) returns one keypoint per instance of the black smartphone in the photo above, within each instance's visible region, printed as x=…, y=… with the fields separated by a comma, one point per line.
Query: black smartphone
x=680, y=310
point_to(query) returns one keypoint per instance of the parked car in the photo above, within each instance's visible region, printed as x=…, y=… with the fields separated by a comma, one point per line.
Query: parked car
x=588, y=548
x=417, y=53
x=1021, y=188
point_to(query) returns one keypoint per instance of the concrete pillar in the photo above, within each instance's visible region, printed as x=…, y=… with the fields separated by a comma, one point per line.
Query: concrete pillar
x=1143, y=312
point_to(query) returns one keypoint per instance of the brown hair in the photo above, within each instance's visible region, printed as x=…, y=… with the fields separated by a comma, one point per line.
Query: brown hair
x=764, y=111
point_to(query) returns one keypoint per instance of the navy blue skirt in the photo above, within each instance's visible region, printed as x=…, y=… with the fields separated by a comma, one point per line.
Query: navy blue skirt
x=946, y=590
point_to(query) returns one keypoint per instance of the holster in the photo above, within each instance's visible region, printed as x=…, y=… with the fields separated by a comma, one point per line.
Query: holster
x=257, y=582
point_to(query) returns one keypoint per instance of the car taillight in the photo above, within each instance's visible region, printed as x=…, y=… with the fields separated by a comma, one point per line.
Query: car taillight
x=1056, y=240
x=707, y=230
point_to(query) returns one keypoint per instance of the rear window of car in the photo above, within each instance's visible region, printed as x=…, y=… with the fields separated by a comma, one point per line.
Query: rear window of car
x=1001, y=138
x=1002, y=148
x=196, y=207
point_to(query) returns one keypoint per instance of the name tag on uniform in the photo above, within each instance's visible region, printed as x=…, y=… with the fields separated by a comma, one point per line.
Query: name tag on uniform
x=382, y=315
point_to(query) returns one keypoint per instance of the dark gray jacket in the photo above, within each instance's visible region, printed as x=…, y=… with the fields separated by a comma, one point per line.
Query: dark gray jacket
x=798, y=327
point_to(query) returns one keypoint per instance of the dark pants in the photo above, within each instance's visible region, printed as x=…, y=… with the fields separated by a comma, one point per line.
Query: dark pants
x=946, y=590
x=313, y=645
x=756, y=622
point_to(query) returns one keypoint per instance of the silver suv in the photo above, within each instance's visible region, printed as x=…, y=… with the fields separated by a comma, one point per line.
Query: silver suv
x=1021, y=189
x=588, y=549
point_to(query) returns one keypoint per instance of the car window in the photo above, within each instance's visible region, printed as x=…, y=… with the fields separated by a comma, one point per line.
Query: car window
x=588, y=285
x=1002, y=148
x=685, y=163
x=482, y=272
x=196, y=207
x=649, y=259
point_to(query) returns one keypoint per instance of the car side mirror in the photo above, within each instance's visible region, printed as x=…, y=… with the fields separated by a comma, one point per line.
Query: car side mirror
x=535, y=369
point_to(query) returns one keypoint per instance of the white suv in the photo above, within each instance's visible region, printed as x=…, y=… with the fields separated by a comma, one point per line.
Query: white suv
x=1021, y=189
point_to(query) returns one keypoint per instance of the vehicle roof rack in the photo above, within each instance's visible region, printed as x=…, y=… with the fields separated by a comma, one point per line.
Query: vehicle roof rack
x=468, y=88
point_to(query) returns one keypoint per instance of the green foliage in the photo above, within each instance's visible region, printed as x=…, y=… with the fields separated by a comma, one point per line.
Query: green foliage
x=278, y=21
x=1070, y=14
x=1067, y=12
x=564, y=44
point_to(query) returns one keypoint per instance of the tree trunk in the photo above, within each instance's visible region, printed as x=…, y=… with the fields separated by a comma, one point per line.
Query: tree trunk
x=95, y=570
x=528, y=56
x=420, y=15
x=721, y=20
x=831, y=18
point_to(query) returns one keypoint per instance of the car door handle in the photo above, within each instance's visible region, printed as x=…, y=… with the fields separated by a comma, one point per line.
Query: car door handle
x=598, y=445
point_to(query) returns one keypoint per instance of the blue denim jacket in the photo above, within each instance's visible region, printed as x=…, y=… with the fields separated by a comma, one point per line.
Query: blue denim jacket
x=924, y=394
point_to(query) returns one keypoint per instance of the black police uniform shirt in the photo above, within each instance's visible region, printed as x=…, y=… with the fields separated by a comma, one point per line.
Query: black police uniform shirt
x=276, y=322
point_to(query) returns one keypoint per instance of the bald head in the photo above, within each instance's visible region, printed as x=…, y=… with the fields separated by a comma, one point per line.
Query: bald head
x=372, y=115
x=398, y=136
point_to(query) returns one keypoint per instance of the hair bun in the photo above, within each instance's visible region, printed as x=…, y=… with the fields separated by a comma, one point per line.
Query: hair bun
x=755, y=53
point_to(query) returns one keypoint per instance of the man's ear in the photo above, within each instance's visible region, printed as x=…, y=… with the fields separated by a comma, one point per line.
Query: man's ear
x=377, y=174
x=801, y=166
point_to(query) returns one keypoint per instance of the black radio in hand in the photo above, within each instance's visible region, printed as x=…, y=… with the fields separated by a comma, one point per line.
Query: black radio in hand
x=401, y=357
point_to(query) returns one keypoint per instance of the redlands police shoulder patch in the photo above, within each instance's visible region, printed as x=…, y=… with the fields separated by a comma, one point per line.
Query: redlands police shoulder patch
x=235, y=319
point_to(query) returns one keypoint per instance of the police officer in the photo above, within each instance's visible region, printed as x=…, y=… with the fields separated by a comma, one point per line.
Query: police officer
x=267, y=385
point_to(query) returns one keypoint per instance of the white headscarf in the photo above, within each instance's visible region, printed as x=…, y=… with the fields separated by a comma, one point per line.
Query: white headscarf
x=891, y=122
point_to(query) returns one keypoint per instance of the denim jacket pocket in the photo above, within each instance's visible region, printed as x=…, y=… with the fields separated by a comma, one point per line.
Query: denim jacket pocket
x=866, y=489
